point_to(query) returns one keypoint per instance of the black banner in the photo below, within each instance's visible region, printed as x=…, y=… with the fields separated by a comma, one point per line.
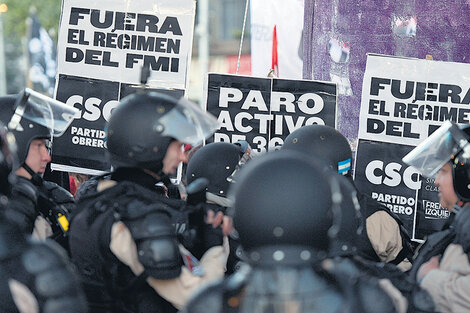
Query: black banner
x=380, y=174
x=263, y=111
x=82, y=147
x=83, y=143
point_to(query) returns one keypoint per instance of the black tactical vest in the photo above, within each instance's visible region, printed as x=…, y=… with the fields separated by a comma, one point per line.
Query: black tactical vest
x=44, y=270
x=110, y=286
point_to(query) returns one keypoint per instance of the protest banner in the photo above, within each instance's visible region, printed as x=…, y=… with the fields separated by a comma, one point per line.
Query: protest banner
x=102, y=49
x=263, y=111
x=403, y=101
x=381, y=174
x=112, y=40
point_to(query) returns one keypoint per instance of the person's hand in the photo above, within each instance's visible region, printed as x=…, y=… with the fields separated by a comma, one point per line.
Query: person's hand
x=227, y=225
x=220, y=219
x=430, y=265
x=214, y=219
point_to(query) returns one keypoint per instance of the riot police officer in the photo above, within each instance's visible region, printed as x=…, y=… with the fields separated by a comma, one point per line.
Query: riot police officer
x=122, y=240
x=34, y=276
x=283, y=211
x=37, y=206
x=442, y=265
x=387, y=281
x=377, y=242
x=219, y=163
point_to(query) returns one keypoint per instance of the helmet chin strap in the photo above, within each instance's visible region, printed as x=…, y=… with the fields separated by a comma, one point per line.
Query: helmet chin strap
x=35, y=177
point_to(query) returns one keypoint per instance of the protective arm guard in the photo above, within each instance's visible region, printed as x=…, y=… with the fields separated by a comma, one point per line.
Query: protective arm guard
x=155, y=238
x=21, y=208
x=55, y=285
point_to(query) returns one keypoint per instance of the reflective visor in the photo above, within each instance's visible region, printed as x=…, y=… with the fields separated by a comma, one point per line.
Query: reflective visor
x=442, y=146
x=187, y=123
x=44, y=111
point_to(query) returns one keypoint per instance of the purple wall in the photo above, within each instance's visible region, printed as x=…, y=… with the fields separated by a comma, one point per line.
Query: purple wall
x=443, y=31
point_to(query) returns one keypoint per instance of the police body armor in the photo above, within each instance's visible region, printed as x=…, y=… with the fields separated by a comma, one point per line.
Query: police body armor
x=110, y=285
x=368, y=207
x=43, y=268
x=42, y=198
x=56, y=205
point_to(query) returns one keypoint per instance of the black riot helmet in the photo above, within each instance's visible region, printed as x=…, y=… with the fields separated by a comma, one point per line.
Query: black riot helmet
x=218, y=162
x=31, y=115
x=8, y=160
x=323, y=142
x=350, y=223
x=144, y=124
x=448, y=143
x=283, y=209
x=28, y=131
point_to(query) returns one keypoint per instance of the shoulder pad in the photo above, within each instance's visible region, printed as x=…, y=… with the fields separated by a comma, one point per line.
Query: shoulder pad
x=25, y=188
x=156, y=242
x=48, y=263
x=40, y=256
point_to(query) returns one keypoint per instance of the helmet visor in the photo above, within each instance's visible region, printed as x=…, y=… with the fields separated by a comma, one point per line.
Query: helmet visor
x=43, y=110
x=442, y=146
x=187, y=123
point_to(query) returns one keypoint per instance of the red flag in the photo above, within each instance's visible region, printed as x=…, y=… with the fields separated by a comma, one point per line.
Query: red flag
x=275, y=62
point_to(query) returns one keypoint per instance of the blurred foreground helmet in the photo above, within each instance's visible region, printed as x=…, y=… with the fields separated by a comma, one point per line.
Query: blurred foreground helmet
x=283, y=209
x=31, y=115
x=8, y=160
x=144, y=124
x=350, y=222
x=219, y=162
x=323, y=142
x=448, y=143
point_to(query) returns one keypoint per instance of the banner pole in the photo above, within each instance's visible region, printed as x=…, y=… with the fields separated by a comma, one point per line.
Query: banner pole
x=243, y=35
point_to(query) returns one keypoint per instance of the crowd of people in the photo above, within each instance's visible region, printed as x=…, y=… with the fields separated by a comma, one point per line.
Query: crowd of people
x=286, y=231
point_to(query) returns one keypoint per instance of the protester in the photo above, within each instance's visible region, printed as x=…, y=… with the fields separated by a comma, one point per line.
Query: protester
x=37, y=206
x=387, y=281
x=384, y=238
x=446, y=273
x=122, y=240
x=75, y=181
x=34, y=276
